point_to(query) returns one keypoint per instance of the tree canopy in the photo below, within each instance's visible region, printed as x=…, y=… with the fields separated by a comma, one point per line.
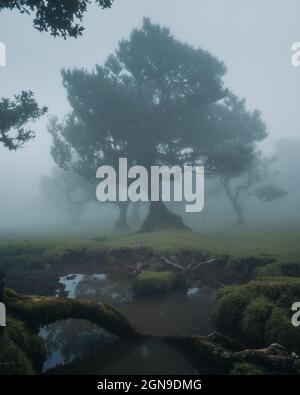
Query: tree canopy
x=14, y=116
x=59, y=17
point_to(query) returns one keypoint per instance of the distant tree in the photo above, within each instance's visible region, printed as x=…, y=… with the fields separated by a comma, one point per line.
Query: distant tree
x=68, y=192
x=14, y=116
x=60, y=17
x=143, y=104
x=232, y=137
x=77, y=149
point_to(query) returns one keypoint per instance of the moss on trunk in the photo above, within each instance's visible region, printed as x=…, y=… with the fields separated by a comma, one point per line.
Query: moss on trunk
x=41, y=310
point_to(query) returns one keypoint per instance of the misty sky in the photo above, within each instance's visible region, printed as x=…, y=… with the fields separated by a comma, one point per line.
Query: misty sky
x=252, y=37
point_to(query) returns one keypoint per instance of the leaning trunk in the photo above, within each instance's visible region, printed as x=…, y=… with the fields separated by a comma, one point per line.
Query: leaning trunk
x=159, y=218
x=237, y=208
x=239, y=213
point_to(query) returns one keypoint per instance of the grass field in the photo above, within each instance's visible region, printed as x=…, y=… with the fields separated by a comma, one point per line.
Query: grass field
x=282, y=243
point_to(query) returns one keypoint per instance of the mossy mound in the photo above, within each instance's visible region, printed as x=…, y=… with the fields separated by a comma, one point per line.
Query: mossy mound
x=21, y=352
x=154, y=283
x=278, y=269
x=259, y=313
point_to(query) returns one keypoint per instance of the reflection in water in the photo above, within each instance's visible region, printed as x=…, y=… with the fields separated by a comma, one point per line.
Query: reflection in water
x=180, y=312
x=72, y=281
x=192, y=291
x=68, y=340
x=151, y=357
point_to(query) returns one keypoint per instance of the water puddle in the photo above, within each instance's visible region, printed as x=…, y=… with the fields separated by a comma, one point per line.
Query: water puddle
x=181, y=312
x=98, y=287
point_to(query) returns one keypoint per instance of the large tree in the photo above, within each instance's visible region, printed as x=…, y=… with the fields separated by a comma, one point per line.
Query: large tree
x=60, y=17
x=144, y=103
x=14, y=116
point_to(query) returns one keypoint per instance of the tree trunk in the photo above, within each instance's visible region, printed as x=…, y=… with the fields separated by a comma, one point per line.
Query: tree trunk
x=220, y=354
x=237, y=208
x=159, y=218
x=135, y=220
x=122, y=224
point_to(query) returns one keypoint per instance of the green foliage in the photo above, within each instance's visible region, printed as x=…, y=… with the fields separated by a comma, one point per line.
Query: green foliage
x=244, y=368
x=14, y=115
x=60, y=17
x=269, y=193
x=154, y=283
x=154, y=83
x=254, y=321
x=229, y=308
x=239, y=130
x=280, y=330
x=277, y=269
x=20, y=351
x=260, y=312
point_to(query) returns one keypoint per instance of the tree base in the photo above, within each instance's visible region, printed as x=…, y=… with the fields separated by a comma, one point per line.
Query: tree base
x=160, y=218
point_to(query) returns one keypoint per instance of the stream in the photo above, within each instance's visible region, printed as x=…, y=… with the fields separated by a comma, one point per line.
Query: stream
x=79, y=347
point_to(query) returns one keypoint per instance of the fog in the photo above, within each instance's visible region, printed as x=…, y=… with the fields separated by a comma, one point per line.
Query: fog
x=254, y=40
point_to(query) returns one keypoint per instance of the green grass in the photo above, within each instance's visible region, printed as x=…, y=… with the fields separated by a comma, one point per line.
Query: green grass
x=154, y=283
x=280, y=243
x=246, y=369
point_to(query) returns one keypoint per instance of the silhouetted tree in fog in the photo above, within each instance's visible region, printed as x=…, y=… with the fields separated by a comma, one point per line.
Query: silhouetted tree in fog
x=230, y=152
x=68, y=192
x=77, y=149
x=143, y=104
x=60, y=17
x=14, y=116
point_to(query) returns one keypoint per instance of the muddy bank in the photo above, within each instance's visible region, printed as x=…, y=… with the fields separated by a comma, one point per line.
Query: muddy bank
x=36, y=274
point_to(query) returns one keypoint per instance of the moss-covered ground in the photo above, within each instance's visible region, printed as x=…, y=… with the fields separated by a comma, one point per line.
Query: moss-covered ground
x=155, y=283
x=259, y=312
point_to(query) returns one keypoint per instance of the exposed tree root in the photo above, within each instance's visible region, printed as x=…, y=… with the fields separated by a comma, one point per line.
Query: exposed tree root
x=222, y=353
